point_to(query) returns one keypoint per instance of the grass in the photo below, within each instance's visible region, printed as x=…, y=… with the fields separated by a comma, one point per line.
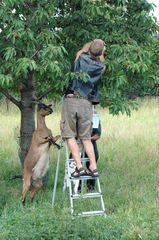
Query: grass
x=129, y=166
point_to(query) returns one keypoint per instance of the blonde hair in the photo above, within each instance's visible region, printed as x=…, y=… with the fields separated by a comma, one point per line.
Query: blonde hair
x=97, y=47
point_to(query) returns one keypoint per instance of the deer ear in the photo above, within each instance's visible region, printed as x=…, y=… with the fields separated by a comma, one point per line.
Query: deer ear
x=40, y=105
x=35, y=100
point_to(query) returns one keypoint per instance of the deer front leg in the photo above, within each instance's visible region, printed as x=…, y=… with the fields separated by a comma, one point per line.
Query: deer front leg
x=53, y=141
x=43, y=139
x=56, y=138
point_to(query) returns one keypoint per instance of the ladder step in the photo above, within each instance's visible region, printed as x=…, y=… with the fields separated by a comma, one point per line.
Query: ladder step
x=82, y=178
x=86, y=195
x=91, y=213
x=82, y=160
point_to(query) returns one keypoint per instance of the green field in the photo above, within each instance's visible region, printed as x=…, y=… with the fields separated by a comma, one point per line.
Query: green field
x=129, y=167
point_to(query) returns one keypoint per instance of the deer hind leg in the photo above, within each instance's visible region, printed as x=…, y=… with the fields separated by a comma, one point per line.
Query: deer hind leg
x=26, y=186
x=37, y=185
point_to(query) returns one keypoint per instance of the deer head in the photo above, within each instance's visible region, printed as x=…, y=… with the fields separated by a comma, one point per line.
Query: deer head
x=44, y=109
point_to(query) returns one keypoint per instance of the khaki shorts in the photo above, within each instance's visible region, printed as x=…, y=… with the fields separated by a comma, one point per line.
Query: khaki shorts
x=76, y=119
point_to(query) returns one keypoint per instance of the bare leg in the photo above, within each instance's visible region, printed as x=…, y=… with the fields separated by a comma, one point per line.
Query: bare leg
x=73, y=146
x=90, y=153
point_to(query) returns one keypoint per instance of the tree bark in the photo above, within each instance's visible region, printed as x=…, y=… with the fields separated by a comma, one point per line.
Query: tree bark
x=27, y=117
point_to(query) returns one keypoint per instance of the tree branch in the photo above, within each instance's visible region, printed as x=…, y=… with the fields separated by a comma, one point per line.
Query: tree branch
x=11, y=98
x=45, y=93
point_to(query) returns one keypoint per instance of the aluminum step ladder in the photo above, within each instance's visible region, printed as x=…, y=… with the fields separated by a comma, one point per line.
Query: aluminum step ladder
x=80, y=195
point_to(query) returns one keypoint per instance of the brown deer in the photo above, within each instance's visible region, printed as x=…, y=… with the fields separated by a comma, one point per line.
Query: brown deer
x=37, y=159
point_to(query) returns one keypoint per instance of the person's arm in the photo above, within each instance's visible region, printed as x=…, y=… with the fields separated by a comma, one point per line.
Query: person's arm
x=85, y=48
x=102, y=59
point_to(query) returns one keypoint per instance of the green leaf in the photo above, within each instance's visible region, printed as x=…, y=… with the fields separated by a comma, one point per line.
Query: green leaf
x=5, y=79
x=9, y=53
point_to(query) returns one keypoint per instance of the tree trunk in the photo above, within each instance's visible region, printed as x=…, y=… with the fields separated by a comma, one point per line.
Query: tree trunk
x=27, y=117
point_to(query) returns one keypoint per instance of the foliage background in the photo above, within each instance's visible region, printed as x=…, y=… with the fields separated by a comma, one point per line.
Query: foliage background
x=39, y=40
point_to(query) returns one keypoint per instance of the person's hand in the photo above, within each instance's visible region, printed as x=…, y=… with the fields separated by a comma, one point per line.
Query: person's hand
x=101, y=57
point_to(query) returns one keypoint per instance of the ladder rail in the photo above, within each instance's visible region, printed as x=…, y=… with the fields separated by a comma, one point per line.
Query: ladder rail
x=69, y=182
x=101, y=197
x=56, y=175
